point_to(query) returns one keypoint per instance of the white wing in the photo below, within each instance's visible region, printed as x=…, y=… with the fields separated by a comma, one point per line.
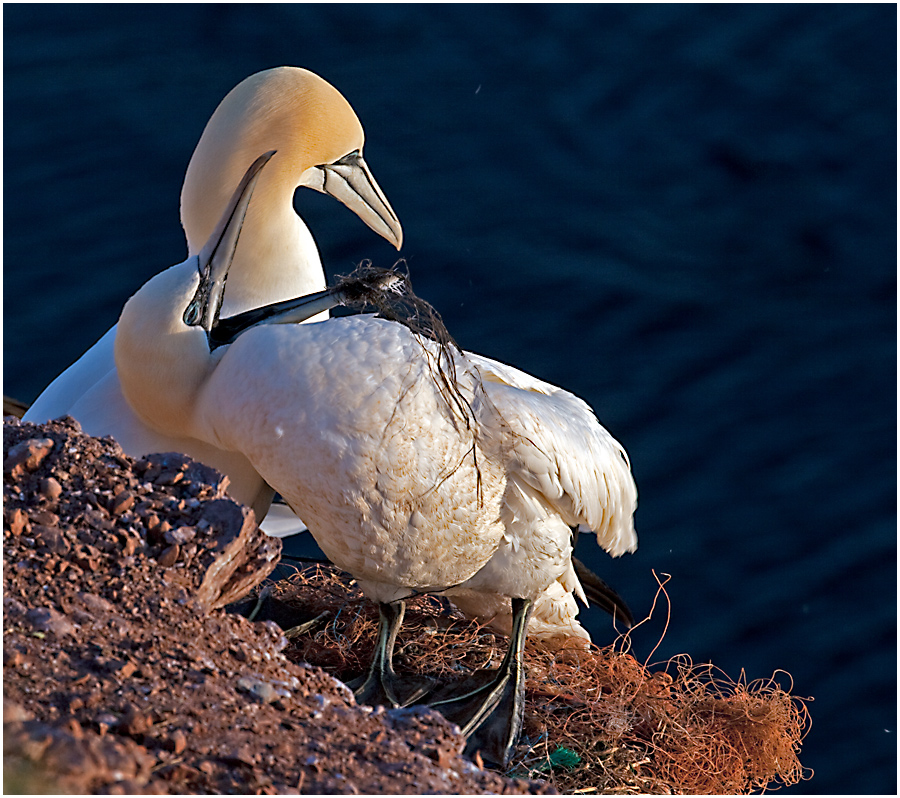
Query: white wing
x=60, y=396
x=559, y=448
x=282, y=522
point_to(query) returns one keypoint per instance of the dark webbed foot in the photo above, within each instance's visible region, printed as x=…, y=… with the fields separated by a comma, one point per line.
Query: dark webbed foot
x=489, y=705
x=468, y=702
x=390, y=690
x=382, y=686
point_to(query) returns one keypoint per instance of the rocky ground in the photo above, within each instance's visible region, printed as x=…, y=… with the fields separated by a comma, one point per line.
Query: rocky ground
x=124, y=674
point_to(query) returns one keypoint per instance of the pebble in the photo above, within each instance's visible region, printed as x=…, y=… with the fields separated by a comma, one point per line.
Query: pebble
x=134, y=721
x=169, y=556
x=50, y=489
x=13, y=608
x=18, y=521
x=131, y=545
x=46, y=619
x=51, y=538
x=95, y=603
x=98, y=520
x=27, y=455
x=179, y=741
x=106, y=719
x=181, y=535
x=123, y=501
x=259, y=689
x=44, y=517
x=169, y=478
x=127, y=669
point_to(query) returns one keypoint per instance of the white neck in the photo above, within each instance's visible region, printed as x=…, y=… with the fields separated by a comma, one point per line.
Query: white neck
x=161, y=362
x=276, y=257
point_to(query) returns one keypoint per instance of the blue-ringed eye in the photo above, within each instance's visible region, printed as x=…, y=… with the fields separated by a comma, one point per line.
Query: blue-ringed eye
x=192, y=314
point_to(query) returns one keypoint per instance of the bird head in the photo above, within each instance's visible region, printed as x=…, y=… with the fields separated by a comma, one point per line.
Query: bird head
x=319, y=142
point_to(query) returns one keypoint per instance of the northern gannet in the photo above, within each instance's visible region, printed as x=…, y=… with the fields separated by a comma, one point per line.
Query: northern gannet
x=418, y=467
x=383, y=462
x=308, y=121
x=319, y=141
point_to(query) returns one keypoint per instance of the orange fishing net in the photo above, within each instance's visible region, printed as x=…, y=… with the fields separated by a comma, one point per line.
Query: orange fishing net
x=596, y=721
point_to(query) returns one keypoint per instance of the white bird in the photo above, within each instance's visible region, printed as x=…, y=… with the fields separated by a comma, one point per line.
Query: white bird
x=418, y=468
x=554, y=620
x=319, y=141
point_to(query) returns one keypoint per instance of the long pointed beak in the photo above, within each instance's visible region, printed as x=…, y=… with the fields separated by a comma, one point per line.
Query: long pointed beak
x=215, y=258
x=349, y=181
x=290, y=311
x=295, y=311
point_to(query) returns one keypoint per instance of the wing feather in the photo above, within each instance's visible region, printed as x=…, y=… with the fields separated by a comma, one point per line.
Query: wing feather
x=559, y=448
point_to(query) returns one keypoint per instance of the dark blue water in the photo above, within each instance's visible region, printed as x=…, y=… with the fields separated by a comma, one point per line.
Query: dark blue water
x=685, y=215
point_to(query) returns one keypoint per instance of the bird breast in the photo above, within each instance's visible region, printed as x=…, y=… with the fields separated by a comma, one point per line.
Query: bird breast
x=346, y=420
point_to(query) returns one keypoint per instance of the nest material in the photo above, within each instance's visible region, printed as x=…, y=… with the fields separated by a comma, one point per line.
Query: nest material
x=390, y=293
x=596, y=721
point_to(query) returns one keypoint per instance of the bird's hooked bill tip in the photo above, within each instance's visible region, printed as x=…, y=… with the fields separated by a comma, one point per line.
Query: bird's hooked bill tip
x=350, y=181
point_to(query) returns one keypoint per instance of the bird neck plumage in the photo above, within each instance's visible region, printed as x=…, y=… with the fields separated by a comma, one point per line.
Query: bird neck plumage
x=276, y=257
x=161, y=362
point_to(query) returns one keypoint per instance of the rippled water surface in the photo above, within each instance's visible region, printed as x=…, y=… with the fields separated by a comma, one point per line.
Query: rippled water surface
x=685, y=215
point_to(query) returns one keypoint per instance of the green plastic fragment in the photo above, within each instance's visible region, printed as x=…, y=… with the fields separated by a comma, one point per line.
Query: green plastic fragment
x=561, y=758
x=565, y=758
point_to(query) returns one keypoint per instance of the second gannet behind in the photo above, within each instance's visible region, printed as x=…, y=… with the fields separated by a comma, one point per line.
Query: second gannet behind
x=319, y=141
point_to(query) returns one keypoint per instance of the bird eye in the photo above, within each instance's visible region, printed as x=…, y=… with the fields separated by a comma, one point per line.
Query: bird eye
x=350, y=158
x=192, y=314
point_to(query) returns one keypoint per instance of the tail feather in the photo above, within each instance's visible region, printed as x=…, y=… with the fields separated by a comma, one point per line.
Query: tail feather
x=602, y=595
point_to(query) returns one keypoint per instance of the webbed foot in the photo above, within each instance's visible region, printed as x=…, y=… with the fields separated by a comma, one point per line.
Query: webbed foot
x=382, y=686
x=489, y=705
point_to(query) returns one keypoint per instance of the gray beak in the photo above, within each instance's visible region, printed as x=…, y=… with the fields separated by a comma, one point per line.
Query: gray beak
x=349, y=181
x=215, y=258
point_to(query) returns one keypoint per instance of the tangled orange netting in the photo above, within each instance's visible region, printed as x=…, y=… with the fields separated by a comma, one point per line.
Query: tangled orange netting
x=596, y=721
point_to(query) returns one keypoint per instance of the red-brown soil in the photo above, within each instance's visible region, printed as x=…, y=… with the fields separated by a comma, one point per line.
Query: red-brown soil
x=122, y=672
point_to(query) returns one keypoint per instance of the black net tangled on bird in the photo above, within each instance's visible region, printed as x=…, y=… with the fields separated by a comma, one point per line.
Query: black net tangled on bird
x=390, y=293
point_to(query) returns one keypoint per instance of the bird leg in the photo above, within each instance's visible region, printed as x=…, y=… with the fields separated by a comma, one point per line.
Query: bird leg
x=382, y=686
x=492, y=704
